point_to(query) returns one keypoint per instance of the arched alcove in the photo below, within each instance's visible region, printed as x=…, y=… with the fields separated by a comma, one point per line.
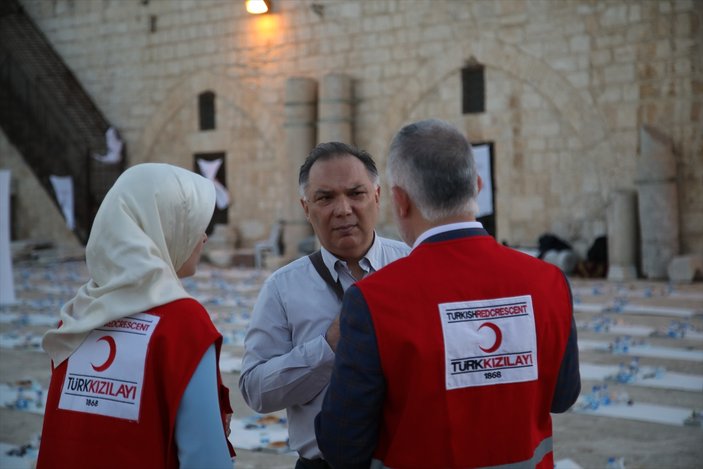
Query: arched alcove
x=580, y=163
x=246, y=133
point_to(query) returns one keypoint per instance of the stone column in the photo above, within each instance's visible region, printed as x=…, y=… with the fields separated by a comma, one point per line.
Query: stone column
x=622, y=236
x=658, y=202
x=335, y=121
x=301, y=117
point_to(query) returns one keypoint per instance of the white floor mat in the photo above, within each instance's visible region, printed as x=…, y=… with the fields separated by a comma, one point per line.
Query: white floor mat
x=640, y=411
x=645, y=377
x=645, y=350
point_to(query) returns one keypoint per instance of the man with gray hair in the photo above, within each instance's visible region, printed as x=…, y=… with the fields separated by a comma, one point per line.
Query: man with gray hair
x=290, y=343
x=455, y=355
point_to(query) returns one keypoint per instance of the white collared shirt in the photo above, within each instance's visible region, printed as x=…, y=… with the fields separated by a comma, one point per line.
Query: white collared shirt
x=287, y=362
x=444, y=228
x=373, y=260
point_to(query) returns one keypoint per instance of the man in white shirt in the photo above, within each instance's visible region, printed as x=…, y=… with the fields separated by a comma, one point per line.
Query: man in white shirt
x=294, y=330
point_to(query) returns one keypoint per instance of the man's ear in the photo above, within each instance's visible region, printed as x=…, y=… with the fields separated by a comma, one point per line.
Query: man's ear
x=306, y=209
x=479, y=184
x=401, y=201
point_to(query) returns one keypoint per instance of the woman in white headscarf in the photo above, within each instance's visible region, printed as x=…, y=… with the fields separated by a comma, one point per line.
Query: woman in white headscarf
x=135, y=379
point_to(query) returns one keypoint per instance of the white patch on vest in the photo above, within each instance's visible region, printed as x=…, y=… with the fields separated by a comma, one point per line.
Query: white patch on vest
x=105, y=374
x=489, y=341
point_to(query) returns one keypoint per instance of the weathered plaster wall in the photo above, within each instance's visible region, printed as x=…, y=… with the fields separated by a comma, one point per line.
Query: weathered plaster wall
x=35, y=215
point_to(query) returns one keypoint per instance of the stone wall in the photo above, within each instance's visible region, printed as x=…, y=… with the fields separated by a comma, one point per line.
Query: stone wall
x=568, y=85
x=34, y=216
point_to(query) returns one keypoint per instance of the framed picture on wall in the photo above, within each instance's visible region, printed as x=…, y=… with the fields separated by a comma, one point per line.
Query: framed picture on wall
x=212, y=166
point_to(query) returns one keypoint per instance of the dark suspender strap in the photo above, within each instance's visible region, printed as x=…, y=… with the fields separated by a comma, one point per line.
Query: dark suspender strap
x=319, y=264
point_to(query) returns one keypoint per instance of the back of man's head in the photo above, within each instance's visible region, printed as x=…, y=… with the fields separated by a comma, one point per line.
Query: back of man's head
x=432, y=161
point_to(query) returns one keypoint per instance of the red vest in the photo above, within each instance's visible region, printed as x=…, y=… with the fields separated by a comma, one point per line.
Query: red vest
x=73, y=438
x=469, y=382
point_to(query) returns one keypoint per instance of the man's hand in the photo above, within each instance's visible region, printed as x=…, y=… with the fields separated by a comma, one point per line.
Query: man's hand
x=332, y=335
x=226, y=422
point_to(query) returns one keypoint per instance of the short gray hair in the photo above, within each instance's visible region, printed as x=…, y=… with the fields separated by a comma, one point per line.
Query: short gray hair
x=433, y=162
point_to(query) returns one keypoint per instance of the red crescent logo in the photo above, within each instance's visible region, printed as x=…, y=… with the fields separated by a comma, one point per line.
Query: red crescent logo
x=499, y=337
x=111, y=357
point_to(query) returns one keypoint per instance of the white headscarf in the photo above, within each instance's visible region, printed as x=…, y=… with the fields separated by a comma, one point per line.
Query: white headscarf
x=146, y=228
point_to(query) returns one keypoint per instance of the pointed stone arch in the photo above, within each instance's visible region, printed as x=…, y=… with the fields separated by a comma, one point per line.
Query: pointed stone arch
x=247, y=132
x=576, y=108
x=223, y=86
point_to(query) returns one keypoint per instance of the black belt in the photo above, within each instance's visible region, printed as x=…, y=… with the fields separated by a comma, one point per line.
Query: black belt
x=318, y=463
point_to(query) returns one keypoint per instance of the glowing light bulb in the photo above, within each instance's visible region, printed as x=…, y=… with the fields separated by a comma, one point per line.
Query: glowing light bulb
x=257, y=7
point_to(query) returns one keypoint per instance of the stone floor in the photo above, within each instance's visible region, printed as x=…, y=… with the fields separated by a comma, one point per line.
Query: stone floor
x=664, y=323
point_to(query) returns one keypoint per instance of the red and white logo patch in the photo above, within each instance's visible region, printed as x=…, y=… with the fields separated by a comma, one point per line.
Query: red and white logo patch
x=105, y=374
x=489, y=341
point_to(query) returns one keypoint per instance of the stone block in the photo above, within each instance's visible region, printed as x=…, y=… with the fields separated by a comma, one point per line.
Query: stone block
x=619, y=73
x=614, y=16
x=685, y=269
x=580, y=43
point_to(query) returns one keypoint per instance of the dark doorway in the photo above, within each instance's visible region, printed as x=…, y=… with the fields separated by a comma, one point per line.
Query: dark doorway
x=473, y=89
x=206, y=110
x=483, y=155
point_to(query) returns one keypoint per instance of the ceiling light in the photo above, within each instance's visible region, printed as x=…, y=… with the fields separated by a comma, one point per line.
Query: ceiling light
x=257, y=7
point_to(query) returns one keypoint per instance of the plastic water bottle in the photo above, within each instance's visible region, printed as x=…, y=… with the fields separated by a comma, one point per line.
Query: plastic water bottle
x=21, y=402
x=684, y=329
x=622, y=346
x=634, y=367
x=264, y=439
x=615, y=463
x=622, y=397
x=673, y=328
x=594, y=398
x=598, y=325
x=623, y=376
x=604, y=395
